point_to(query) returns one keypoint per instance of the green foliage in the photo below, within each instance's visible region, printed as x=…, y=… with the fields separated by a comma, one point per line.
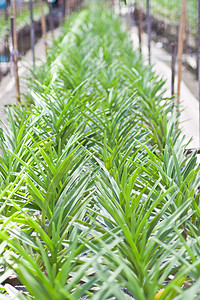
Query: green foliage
x=97, y=195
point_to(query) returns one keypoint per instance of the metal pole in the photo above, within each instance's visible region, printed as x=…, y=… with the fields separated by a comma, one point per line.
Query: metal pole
x=140, y=27
x=51, y=18
x=64, y=9
x=6, y=11
x=43, y=23
x=128, y=15
x=119, y=4
x=180, y=46
x=15, y=50
x=12, y=45
x=149, y=31
x=174, y=49
x=32, y=33
x=11, y=30
x=199, y=61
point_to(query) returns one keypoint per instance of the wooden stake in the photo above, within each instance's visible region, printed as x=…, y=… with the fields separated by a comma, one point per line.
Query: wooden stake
x=43, y=23
x=15, y=57
x=180, y=46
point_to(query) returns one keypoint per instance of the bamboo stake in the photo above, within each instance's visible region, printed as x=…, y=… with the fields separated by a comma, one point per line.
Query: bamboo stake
x=15, y=57
x=180, y=46
x=43, y=23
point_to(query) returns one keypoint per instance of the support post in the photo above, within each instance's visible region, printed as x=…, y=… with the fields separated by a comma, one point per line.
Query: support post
x=66, y=7
x=128, y=21
x=51, y=21
x=6, y=11
x=11, y=46
x=173, y=63
x=43, y=23
x=119, y=4
x=15, y=51
x=32, y=31
x=140, y=28
x=113, y=4
x=180, y=46
x=199, y=61
x=149, y=31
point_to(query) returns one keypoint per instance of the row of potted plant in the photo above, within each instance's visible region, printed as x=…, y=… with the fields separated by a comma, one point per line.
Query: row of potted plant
x=98, y=197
